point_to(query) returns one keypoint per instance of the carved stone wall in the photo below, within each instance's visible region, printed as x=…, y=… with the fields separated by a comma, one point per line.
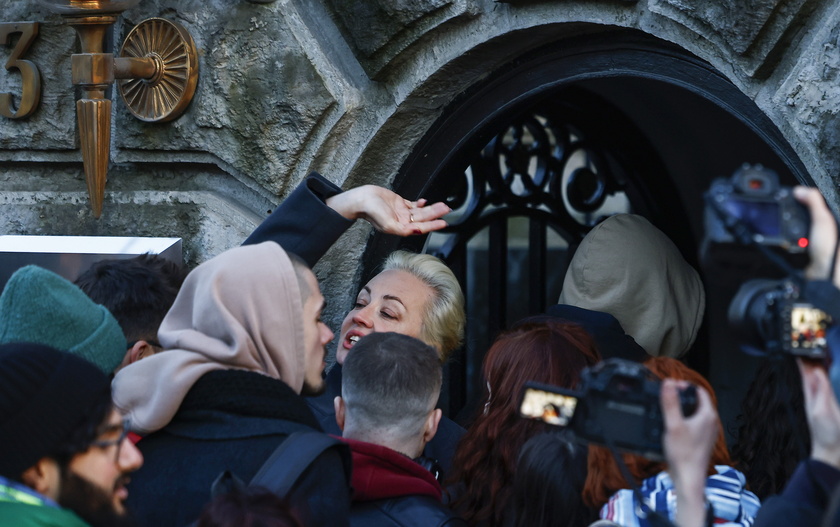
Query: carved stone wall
x=348, y=88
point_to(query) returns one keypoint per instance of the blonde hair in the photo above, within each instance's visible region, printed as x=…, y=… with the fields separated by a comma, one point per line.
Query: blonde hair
x=443, y=322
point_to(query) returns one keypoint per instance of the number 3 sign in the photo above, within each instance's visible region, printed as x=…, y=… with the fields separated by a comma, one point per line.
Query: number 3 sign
x=31, y=79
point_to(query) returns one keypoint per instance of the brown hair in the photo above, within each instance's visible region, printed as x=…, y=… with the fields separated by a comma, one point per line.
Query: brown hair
x=551, y=352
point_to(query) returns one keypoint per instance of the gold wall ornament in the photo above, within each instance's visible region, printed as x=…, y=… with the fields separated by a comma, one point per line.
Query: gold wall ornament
x=95, y=125
x=165, y=95
x=158, y=63
x=30, y=93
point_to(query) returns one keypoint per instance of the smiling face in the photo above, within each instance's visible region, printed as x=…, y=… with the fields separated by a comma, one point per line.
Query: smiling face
x=392, y=301
x=316, y=335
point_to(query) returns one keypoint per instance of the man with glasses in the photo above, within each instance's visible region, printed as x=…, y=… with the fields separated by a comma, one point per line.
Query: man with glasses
x=64, y=456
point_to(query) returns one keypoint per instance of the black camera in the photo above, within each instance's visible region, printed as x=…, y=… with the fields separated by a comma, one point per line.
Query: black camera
x=754, y=224
x=618, y=403
x=765, y=212
x=772, y=315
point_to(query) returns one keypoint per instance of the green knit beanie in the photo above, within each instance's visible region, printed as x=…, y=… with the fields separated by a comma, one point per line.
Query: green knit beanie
x=41, y=307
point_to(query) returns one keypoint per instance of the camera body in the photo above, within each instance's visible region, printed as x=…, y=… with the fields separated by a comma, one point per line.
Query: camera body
x=745, y=216
x=772, y=315
x=618, y=403
x=754, y=197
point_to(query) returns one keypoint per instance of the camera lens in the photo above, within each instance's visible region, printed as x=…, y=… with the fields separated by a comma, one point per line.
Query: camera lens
x=753, y=311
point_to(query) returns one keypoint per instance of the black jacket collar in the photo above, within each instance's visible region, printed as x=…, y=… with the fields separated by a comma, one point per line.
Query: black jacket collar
x=239, y=403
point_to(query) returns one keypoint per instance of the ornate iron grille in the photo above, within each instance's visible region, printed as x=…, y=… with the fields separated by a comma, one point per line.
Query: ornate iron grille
x=522, y=200
x=526, y=199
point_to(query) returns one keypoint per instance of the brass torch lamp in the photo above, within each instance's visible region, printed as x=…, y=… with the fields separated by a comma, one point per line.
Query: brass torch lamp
x=157, y=67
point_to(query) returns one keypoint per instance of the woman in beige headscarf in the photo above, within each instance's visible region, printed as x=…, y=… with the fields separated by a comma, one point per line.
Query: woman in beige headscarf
x=242, y=340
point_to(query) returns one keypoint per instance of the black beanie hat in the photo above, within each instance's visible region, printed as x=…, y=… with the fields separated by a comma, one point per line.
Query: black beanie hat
x=45, y=394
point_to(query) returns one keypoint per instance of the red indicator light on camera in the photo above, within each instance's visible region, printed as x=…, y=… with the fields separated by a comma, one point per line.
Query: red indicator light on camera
x=803, y=242
x=756, y=184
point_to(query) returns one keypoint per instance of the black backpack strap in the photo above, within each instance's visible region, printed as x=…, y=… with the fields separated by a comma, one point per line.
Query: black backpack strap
x=286, y=464
x=291, y=458
x=227, y=482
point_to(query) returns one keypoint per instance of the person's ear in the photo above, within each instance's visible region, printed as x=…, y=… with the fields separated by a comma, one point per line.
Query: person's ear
x=340, y=408
x=432, y=422
x=140, y=350
x=43, y=477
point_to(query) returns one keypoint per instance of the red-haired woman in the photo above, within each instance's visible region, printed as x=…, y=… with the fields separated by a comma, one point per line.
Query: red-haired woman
x=550, y=352
x=605, y=487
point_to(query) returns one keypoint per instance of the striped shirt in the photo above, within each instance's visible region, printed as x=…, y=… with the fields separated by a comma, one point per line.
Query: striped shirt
x=733, y=505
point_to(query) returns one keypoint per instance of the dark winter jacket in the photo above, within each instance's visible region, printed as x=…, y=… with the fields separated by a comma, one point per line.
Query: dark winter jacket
x=232, y=420
x=392, y=490
x=805, y=500
x=609, y=336
x=441, y=448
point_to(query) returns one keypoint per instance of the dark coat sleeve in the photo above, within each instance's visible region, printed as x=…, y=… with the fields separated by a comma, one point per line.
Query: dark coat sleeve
x=805, y=498
x=303, y=224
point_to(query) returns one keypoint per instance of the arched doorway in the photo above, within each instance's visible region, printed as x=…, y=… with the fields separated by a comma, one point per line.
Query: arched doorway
x=535, y=154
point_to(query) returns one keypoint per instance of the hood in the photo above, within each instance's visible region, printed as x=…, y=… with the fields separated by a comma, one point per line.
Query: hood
x=628, y=268
x=239, y=310
x=381, y=473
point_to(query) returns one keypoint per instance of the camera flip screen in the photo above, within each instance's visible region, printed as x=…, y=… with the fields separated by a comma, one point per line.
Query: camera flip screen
x=762, y=217
x=807, y=329
x=548, y=406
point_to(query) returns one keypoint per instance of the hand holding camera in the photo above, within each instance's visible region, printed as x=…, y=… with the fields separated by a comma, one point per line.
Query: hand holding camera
x=823, y=235
x=688, y=443
x=753, y=222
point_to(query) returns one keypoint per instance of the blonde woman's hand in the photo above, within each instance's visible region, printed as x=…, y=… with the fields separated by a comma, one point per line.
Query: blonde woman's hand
x=388, y=212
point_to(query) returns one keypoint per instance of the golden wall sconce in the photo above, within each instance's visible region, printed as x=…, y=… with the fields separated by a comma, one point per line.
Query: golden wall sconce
x=157, y=67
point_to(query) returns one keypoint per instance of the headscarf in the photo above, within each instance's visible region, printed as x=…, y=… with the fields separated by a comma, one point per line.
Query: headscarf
x=239, y=310
x=628, y=268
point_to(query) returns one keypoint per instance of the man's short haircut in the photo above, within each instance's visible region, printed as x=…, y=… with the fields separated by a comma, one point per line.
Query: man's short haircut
x=391, y=382
x=443, y=323
x=137, y=291
x=300, y=267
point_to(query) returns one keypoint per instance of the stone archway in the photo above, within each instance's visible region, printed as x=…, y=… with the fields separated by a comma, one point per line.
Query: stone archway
x=669, y=120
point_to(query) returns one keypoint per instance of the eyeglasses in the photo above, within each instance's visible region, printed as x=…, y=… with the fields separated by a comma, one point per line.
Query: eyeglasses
x=107, y=443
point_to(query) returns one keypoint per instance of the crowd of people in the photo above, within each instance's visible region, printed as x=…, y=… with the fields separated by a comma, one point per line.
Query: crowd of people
x=145, y=395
